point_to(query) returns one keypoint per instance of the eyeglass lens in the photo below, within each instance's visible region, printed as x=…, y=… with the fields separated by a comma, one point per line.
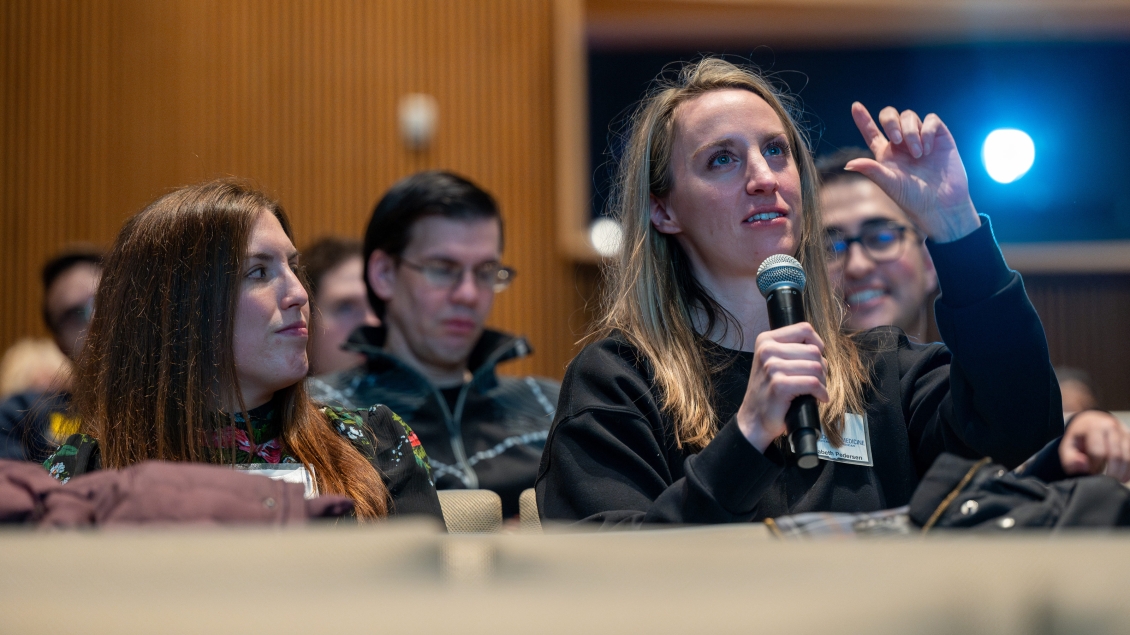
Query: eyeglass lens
x=883, y=241
x=490, y=275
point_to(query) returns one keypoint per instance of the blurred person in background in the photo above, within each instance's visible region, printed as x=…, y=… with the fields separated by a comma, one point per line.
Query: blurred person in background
x=31, y=365
x=198, y=352
x=877, y=259
x=70, y=281
x=34, y=420
x=433, y=254
x=334, y=268
x=1077, y=390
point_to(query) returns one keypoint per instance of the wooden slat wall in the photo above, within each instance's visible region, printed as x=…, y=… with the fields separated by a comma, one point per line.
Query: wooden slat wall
x=1085, y=318
x=106, y=104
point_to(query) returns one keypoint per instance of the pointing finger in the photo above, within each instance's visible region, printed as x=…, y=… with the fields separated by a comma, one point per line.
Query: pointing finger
x=871, y=134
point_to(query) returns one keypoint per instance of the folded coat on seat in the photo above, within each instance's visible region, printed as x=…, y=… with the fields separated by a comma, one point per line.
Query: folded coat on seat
x=156, y=493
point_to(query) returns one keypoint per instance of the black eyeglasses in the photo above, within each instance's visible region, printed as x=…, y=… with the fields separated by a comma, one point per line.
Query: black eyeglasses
x=446, y=275
x=883, y=240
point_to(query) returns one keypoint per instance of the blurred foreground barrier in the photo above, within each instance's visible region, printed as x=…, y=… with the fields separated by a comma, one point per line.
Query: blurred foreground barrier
x=392, y=577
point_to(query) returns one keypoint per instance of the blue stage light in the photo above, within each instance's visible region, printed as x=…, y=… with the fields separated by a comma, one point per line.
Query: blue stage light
x=1008, y=154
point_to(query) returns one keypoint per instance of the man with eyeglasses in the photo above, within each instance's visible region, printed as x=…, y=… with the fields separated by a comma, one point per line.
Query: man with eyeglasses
x=32, y=422
x=433, y=264
x=875, y=257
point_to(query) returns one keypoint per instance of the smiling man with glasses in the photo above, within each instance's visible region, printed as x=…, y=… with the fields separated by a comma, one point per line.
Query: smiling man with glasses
x=876, y=259
x=433, y=265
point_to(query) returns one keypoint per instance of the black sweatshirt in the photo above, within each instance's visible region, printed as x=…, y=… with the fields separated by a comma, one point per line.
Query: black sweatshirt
x=989, y=391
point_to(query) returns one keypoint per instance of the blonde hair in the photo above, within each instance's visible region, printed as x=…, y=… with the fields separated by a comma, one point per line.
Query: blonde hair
x=652, y=295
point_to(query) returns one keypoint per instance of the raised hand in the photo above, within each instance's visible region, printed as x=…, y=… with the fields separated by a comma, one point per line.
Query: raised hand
x=917, y=164
x=787, y=362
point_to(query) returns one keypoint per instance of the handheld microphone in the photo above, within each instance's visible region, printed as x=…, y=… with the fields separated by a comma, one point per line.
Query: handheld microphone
x=781, y=280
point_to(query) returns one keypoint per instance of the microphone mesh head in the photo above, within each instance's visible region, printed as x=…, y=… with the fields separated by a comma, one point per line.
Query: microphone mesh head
x=777, y=270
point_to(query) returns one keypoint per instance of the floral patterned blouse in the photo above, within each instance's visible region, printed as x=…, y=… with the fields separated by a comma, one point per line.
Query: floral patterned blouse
x=378, y=434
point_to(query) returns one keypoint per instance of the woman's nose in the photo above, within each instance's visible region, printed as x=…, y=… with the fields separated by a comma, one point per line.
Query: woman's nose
x=295, y=294
x=761, y=179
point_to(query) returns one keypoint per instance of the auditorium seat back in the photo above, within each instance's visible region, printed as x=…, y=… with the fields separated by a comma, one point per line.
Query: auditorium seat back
x=529, y=521
x=471, y=511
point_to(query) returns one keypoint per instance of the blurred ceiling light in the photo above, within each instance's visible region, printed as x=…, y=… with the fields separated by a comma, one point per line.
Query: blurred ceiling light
x=606, y=236
x=418, y=115
x=1008, y=154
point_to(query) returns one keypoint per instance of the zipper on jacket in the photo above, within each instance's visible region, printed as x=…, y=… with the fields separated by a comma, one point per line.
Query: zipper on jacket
x=455, y=434
x=455, y=420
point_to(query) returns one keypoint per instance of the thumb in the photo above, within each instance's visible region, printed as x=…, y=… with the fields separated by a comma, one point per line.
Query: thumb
x=881, y=175
x=1072, y=459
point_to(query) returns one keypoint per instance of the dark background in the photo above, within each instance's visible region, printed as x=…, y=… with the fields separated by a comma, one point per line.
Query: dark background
x=1071, y=98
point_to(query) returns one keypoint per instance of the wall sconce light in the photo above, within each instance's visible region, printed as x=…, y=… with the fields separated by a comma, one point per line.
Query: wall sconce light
x=418, y=115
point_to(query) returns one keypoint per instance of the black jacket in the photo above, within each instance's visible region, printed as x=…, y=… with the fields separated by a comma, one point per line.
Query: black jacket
x=964, y=494
x=32, y=424
x=493, y=438
x=611, y=455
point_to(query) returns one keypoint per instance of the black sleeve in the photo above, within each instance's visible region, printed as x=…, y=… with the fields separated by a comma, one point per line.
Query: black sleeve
x=403, y=465
x=25, y=422
x=608, y=456
x=13, y=414
x=991, y=390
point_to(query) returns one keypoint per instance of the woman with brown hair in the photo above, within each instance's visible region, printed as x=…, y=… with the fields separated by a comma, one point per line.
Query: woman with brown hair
x=197, y=352
x=676, y=412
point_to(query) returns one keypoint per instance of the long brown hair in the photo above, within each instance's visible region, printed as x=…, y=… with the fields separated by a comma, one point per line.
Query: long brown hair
x=159, y=363
x=652, y=294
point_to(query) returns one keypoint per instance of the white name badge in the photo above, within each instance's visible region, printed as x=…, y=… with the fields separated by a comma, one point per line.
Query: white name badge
x=285, y=472
x=856, y=448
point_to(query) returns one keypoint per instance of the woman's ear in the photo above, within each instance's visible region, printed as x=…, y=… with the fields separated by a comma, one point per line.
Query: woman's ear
x=662, y=217
x=381, y=273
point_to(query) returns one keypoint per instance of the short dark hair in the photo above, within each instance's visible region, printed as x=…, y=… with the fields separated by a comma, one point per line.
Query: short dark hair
x=424, y=194
x=79, y=254
x=325, y=254
x=831, y=166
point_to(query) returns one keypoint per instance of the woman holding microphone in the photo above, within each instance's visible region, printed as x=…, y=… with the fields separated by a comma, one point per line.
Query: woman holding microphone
x=675, y=412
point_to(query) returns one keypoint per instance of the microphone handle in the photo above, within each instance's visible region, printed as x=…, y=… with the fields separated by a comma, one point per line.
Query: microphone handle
x=786, y=306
